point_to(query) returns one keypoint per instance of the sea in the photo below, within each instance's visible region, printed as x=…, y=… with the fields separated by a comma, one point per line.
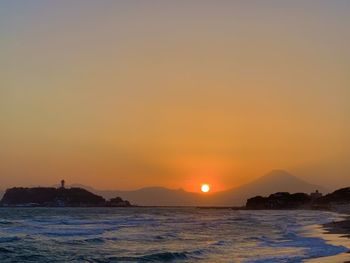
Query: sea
x=141, y=234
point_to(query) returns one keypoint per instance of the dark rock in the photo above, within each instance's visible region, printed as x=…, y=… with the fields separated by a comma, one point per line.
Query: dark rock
x=118, y=202
x=49, y=196
x=281, y=200
x=340, y=196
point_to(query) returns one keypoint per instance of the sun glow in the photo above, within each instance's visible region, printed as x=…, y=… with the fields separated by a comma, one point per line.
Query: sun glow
x=205, y=188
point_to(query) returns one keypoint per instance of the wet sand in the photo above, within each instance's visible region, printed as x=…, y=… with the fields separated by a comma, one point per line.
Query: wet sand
x=336, y=233
x=342, y=230
x=341, y=258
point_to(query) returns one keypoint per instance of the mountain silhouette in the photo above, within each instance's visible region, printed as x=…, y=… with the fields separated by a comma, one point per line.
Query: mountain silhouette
x=152, y=196
x=274, y=181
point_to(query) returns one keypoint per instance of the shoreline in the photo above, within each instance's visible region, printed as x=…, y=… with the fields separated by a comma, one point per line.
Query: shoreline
x=336, y=233
x=342, y=230
x=341, y=227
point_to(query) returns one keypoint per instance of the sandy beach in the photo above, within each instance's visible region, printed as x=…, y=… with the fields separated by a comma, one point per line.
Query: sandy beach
x=341, y=229
x=338, y=233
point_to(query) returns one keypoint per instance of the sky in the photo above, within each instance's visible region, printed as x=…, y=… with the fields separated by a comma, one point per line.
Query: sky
x=130, y=94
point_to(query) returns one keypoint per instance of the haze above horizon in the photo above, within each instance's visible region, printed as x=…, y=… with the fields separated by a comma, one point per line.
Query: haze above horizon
x=125, y=95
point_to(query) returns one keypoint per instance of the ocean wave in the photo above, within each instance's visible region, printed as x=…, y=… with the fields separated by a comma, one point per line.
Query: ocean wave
x=5, y=222
x=92, y=241
x=160, y=235
x=313, y=247
x=165, y=256
x=156, y=257
x=5, y=250
x=73, y=233
x=9, y=239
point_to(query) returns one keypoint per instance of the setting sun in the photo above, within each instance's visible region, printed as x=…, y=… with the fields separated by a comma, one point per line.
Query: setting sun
x=205, y=188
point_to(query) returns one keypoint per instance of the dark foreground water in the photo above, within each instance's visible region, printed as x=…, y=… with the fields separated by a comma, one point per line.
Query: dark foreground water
x=160, y=235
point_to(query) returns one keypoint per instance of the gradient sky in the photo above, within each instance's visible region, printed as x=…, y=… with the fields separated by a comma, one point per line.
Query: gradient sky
x=127, y=94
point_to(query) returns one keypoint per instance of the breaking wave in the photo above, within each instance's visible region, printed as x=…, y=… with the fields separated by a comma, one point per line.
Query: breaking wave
x=161, y=235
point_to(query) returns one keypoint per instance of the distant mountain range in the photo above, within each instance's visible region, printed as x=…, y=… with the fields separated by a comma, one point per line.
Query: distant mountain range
x=275, y=181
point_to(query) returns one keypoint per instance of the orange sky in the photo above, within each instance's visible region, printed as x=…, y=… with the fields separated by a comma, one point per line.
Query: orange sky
x=122, y=95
